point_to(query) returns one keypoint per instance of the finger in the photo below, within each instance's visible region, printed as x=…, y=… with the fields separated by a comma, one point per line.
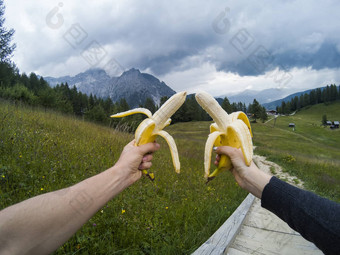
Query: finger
x=217, y=160
x=145, y=165
x=148, y=148
x=147, y=157
x=229, y=151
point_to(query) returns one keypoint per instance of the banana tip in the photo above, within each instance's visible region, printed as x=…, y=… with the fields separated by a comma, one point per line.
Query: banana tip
x=209, y=179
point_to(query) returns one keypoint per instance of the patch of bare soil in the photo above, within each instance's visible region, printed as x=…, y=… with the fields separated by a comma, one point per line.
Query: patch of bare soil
x=275, y=169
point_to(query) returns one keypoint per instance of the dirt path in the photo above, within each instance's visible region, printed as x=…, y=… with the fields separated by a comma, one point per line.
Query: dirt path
x=275, y=169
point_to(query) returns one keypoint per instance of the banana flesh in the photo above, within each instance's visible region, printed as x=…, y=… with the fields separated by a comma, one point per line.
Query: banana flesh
x=151, y=127
x=228, y=130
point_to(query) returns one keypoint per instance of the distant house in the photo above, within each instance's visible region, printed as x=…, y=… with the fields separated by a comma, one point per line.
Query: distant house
x=271, y=112
x=329, y=123
x=291, y=125
x=336, y=124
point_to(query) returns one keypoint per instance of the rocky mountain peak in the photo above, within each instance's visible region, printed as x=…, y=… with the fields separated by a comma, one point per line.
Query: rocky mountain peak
x=132, y=85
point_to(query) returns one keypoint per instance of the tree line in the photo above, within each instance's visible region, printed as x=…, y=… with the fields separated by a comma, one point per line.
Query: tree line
x=35, y=91
x=328, y=94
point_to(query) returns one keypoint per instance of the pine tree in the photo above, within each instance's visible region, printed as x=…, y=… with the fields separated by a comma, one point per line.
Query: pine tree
x=6, y=36
x=263, y=114
x=226, y=105
x=91, y=102
x=306, y=99
x=149, y=104
x=256, y=109
x=333, y=92
x=163, y=100
x=312, y=97
x=318, y=96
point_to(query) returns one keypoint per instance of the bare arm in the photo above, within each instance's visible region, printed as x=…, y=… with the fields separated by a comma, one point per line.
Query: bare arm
x=41, y=224
x=250, y=177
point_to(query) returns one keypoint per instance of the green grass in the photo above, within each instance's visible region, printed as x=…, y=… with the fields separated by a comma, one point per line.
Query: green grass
x=311, y=152
x=45, y=151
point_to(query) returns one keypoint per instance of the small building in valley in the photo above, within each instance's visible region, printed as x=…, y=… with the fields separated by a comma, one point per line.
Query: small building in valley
x=329, y=123
x=336, y=124
x=271, y=112
x=291, y=125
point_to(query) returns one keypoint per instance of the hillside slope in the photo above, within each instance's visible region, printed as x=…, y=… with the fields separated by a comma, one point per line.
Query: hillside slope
x=310, y=152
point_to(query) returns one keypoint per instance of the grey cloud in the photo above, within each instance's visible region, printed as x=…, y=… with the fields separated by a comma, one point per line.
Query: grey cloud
x=162, y=36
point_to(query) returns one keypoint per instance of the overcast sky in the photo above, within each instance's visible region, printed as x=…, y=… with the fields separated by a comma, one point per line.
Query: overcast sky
x=219, y=46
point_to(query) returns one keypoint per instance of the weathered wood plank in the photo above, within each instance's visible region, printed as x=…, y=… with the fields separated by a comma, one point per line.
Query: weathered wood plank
x=232, y=251
x=219, y=241
x=264, y=233
x=252, y=241
x=263, y=219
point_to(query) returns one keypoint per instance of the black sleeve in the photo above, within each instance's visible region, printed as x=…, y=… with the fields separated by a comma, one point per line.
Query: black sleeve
x=315, y=218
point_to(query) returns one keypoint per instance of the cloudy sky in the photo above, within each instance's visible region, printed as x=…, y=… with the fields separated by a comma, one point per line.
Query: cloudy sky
x=222, y=47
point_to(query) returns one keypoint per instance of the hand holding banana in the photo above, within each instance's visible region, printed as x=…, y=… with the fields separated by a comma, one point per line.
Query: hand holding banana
x=230, y=130
x=151, y=127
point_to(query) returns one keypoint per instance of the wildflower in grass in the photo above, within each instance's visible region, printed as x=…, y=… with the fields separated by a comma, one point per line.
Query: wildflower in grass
x=102, y=211
x=94, y=224
x=41, y=189
x=123, y=211
x=152, y=176
x=78, y=246
x=3, y=176
x=166, y=208
x=20, y=156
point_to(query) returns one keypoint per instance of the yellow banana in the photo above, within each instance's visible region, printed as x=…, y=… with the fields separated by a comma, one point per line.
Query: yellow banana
x=151, y=127
x=228, y=130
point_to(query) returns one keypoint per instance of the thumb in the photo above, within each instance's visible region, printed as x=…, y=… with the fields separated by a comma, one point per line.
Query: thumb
x=148, y=148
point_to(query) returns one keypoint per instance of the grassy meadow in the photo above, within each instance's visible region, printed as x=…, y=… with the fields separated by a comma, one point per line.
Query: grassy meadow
x=42, y=151
x=311, y=151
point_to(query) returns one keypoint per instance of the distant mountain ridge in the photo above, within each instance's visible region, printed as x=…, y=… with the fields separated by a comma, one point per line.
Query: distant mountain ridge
x=274, y=104
x=262, y=96
x=132, y=85
x=268, y=98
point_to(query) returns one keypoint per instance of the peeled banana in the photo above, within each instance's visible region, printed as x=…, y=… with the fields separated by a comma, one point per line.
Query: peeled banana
x=151, y=127
x=228, y=130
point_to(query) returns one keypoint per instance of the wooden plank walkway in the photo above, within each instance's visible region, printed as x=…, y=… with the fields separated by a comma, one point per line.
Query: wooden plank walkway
x=262, y=232
x=218, y=242
x=252, y=229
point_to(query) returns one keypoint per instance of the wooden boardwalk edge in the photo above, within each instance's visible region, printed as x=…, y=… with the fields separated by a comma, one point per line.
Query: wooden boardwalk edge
x=224, y=236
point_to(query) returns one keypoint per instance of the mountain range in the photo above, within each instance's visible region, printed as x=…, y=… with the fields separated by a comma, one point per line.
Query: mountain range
x=136, y=87
x=132, y=85
x=272, y=105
